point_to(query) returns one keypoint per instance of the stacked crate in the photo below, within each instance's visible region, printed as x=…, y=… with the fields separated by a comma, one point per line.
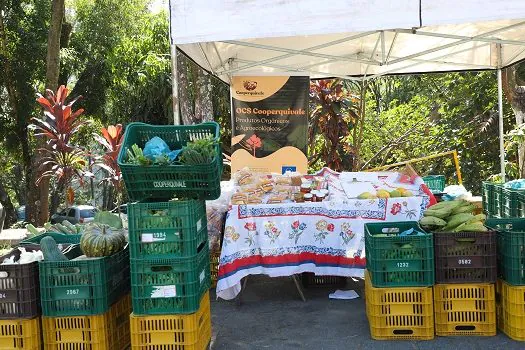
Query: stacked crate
x=511, y=282
x=170, y=257
x=501, y=202
x=399, y=279
x=86, y=302
x=464, y=294
x=19, y=306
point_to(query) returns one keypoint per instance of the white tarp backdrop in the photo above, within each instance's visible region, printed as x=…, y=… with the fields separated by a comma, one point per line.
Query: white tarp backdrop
x=348, y=38
x=352, y=39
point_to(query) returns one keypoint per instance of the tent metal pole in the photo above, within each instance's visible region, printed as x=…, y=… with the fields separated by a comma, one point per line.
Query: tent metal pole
x=501, y=131
x=175, y=85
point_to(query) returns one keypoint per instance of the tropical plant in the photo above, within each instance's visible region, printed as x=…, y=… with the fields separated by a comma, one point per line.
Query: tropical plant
x=111, y=141
x=62, y=159
x=334, y=114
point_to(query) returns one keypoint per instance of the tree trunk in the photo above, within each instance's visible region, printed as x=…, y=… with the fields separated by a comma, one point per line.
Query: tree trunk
x=52, y=74
x=204, y=101
x=10, y=213
x=514, y=89
x=185, y=100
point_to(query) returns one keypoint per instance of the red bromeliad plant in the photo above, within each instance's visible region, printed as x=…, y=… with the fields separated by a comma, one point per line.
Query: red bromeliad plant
x=111, y=140
x=62, y=159
x=333, y=119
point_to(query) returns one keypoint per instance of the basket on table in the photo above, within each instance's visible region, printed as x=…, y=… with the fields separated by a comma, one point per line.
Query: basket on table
x=393, y=260
x=435, y=183
x=465, y=257
x=176, y=180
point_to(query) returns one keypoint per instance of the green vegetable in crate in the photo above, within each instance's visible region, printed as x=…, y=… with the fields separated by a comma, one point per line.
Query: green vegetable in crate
x=136, y=156
x=104, y=236
x=50, y=250
x=200, y=151
x=432, y=222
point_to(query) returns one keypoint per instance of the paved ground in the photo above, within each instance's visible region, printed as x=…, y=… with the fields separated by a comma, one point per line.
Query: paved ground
x=273, y=317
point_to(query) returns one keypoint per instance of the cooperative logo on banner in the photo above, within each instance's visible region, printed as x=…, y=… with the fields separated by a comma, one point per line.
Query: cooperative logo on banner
x=250, y=85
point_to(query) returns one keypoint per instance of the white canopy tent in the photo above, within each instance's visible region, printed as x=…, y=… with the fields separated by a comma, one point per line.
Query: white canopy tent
x=353, y=39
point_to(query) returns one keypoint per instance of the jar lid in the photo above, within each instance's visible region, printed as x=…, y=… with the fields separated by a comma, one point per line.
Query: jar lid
x=308, y=196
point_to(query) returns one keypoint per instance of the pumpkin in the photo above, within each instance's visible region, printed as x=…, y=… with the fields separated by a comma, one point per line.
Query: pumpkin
x=100, y=240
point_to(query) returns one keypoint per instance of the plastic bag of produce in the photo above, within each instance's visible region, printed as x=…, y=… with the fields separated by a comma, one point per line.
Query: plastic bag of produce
x=216, y=213
x=157, y=148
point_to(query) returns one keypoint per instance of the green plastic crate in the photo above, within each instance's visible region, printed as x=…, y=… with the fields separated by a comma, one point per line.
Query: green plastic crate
x=83, y=287
x=173, y=229
x=521, y=204
x=511, y=248
x=399, y=261
x=510, y=200
x=169, y=181
x=436, y=183
x=497, y=203
x=169, y=286
x=487, y=195
x=58, y=237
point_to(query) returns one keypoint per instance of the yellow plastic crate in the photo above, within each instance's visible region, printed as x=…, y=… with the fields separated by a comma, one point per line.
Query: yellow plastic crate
x=511, y=310
x=107, y=331
x=173, y=332
x=215, y=255
x=465, y=309
x=404, y=313
x=20, y=334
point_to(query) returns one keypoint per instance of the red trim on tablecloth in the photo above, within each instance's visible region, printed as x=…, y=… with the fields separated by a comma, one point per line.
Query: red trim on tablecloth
x=291, y=260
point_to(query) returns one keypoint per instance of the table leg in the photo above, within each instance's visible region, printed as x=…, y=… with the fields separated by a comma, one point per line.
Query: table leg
x=299, y=288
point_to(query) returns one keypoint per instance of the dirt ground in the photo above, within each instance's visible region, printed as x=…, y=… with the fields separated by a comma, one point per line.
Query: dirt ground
x=272, y=316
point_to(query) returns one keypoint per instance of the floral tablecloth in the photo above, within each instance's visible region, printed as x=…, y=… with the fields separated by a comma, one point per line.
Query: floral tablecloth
x=326, y=238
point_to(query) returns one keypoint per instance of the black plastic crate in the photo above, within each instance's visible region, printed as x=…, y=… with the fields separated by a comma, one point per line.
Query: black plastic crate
x=465, y=257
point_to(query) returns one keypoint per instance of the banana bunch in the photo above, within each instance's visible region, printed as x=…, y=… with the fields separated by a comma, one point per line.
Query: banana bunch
x=453, y=216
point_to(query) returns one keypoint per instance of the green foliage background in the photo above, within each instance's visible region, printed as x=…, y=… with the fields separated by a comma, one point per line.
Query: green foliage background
x=118, y=58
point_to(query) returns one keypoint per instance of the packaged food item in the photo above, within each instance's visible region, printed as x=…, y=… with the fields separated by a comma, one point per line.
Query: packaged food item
x=266, y=187
x=244, y=178
x=254, y=200
x=320, y=196
x=239, y=198
x=276, y=199
x=308, y=197
x=283, y=180
x=305, y=188
x=297, y=180
x=299, y=197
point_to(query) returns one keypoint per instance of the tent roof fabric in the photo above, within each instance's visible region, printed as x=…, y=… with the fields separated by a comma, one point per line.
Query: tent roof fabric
x=356, y=39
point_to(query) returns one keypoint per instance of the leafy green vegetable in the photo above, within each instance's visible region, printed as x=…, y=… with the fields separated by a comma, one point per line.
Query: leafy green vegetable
x=136, y=156
x=200, y=151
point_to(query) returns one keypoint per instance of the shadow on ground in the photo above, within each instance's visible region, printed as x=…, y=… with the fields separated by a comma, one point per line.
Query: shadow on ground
x=272, y=316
